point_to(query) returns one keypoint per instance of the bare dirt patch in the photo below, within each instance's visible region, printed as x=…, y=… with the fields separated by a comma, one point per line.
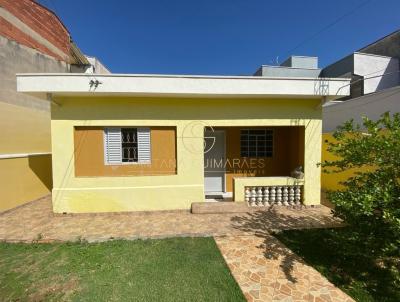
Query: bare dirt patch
x=57, y=288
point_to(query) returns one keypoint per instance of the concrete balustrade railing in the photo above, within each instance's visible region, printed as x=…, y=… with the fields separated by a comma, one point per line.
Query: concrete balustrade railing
x=268, y=196
x=268, y=191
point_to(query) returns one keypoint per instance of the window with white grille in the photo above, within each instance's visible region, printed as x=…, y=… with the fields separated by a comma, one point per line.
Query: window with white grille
x=256, y=143
x=127, y=145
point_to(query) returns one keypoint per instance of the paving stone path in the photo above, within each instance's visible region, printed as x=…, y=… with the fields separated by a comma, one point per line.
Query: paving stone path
x=268, y=271
x=36, y=220
x=264, y=268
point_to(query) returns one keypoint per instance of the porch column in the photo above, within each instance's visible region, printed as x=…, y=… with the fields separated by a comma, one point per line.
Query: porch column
x=312, y=156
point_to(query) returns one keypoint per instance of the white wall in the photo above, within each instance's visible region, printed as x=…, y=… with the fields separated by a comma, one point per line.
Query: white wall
x=97, y=66
x=369, y=65
x=372, y=106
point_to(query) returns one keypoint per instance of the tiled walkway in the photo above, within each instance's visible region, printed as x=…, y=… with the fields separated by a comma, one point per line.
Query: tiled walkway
x=36, y=220
x=263, y=267
x=268, y=271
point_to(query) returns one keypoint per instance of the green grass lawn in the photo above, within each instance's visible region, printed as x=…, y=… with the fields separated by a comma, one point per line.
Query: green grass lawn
x=360, y=276
x=179, y=269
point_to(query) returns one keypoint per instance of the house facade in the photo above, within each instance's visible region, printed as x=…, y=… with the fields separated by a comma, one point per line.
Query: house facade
x=154, y=142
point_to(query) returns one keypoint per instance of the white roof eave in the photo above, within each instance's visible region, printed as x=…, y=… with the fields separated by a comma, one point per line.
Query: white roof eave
x=65, y=84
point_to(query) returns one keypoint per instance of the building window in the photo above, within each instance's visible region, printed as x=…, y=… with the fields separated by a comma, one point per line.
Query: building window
x=127, y=145
x=256, y=143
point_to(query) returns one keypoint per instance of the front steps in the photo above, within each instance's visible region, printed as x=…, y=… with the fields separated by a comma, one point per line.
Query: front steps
x=219, y=207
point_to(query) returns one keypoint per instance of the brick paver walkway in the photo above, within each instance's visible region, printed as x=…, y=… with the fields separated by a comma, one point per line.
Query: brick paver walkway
x=36, y=220
x=268, y=271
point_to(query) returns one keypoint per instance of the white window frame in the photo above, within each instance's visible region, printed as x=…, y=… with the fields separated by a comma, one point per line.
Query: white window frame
x=144, y=146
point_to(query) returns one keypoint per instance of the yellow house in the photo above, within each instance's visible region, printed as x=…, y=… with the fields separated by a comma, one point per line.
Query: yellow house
x=160, y=142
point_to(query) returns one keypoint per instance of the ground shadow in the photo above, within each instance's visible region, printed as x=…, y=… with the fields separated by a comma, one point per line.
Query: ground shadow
x=347, y=261
x=264, y=223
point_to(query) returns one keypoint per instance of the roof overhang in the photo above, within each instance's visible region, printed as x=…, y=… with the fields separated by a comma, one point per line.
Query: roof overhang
x=133, y=85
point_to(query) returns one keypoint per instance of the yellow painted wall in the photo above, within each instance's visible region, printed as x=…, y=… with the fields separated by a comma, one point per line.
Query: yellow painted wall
x=24, y=179
x=24, y=129
x=330, y=181
x=189, y=116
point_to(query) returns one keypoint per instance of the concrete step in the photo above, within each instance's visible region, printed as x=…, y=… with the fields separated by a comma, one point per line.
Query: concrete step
x=219, y=207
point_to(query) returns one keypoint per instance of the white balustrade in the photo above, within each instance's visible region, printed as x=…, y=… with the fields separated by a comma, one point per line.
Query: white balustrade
x=285, y=196
x=273, y=195
x=297, y=195
x=291, y=195
x=247, y=194
x=259, y=196
x=279, y=196
x=266, y=196
x=253, y=197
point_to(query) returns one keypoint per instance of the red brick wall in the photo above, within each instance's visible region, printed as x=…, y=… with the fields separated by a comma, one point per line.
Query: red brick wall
x=11, y=32
x=41, y=20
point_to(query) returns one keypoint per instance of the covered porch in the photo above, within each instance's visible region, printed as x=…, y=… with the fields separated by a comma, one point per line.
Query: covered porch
x=254, y=164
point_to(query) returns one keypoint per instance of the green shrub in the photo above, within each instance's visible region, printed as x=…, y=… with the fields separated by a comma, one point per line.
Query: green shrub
x=370, y=200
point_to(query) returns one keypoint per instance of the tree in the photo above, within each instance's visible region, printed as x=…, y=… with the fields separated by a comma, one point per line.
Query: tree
x=370, y=199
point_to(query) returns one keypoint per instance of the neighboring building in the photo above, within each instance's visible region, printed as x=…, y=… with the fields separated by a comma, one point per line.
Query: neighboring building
x=94, y=66
x=32, y=39
x=294, y=66
x=160, y=142
x=375, y=89
x=388, y=46
x=373, y=68
x=369, y=72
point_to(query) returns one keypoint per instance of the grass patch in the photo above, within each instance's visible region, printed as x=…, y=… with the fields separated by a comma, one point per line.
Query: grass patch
x=358, y=274
x=178, y=269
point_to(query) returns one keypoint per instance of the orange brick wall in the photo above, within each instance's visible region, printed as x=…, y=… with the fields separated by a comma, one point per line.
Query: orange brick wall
x=41, y=20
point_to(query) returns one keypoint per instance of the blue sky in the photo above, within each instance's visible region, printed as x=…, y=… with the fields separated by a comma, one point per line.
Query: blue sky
x=220, y=37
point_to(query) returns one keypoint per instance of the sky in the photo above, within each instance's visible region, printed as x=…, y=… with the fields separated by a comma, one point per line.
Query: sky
x=221, y=37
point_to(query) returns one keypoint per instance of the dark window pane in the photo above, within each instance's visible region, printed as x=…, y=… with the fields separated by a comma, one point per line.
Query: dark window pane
x=256, y=142
x=255, y=132
x=129, y=144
